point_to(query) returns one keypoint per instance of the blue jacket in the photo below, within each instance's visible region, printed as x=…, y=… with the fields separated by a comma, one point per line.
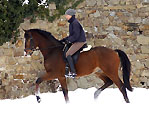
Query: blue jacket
x=76, y=32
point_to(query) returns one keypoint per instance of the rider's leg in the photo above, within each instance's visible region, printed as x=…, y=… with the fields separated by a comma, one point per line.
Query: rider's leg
x=73, y=49
x=67, y=65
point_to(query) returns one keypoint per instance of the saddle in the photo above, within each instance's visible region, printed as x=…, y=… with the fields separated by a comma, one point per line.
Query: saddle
x=75, y=56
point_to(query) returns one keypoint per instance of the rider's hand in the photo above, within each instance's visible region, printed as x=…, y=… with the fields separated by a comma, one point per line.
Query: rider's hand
x=63, y=40
x=67, y=41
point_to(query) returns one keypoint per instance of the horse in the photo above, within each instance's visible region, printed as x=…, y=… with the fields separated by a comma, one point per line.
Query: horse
x=107, y=60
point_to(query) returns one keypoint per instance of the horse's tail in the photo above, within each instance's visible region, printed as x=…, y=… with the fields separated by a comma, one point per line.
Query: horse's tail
x=126, y=68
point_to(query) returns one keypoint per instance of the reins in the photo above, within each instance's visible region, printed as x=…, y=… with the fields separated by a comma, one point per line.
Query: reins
x=36, y=49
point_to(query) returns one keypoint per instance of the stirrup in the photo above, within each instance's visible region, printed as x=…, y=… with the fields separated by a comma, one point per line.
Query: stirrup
x=71, y=75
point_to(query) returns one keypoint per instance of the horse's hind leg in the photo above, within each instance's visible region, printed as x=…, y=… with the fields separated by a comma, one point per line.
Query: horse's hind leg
x=63, y=83
x=122, y=88
x=107, y=83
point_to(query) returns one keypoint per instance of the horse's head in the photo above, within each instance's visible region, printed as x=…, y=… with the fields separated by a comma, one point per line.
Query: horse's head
x=30, y=44
x=43, y=40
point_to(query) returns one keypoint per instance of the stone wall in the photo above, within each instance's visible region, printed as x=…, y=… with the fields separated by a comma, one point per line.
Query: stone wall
x=18, y=72
x=122, y=24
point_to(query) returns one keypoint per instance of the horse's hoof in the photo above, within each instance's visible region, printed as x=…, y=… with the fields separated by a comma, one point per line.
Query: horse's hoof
x=96, y=94
x=127, y=100
x=38, y=99
x=67, y=101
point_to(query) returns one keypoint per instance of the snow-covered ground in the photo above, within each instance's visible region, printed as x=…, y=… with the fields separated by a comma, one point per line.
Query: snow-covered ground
x=110, y=105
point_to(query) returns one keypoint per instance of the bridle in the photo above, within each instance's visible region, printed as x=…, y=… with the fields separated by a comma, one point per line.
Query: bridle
x=32, y=48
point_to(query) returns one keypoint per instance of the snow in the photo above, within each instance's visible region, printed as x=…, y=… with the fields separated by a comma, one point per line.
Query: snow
x=110, y=105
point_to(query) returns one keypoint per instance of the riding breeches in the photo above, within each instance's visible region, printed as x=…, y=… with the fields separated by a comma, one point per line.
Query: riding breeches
x=74, y=48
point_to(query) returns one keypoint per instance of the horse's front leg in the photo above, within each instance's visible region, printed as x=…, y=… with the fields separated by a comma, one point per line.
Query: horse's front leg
x=37, y=91
x=38, y=81
x=63, y=83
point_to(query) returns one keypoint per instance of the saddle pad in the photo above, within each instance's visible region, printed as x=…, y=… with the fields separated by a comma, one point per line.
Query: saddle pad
x=87, y=49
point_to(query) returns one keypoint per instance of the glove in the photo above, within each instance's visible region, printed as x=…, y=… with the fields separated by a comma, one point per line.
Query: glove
x=65, y=40
x=62, y=40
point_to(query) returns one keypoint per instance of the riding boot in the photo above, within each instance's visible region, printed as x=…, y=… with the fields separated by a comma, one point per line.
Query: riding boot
x=67, y=70
x=72, y=67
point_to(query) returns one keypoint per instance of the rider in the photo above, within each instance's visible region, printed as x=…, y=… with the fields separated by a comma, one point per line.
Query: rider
x=76, y=37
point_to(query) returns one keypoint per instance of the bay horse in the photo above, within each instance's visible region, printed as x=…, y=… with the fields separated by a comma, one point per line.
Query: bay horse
x=107, y=60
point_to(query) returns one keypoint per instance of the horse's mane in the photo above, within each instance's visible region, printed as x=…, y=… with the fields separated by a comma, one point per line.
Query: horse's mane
x=45, y=34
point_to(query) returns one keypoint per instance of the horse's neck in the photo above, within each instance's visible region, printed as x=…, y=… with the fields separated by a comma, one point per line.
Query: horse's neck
x=51, y=53
x=49, y=49
x=48, y=46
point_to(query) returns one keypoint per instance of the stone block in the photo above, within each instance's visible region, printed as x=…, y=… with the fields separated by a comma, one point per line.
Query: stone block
x=138, y=65
x=72, y=84
x=3, y=60
x=35, y=57
x=120, y=14
x=146, y=33
x=81, y=5
x=19, y=43
x=112, y=28
x=88, y=23
x=91, y=42
x=9, y=52
x=82, y=83
x=141, y=56
x=114, y=2
x=131, y=20
x=52, y=6
x=26, y=24
x=145, y=49
x=97, y=14
x=101, y=3
x=61, y=23
x=106, y=21
x=27, y=68
x=137, y=19
x=36, y=66
x=24, y=59
x=147, y=63
x=102, y=42
x=145, y=73
x=144, y=27
x=128, y=7
x=64, y=34
x=90, y=11
x=2, y=93
x=5, y=82
x=19, y=68
x=1, y=51
x=19, y=52
x=11, y=61
x=143, y=14
x=141, y=39
x=18, y=77
x=91, y=3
